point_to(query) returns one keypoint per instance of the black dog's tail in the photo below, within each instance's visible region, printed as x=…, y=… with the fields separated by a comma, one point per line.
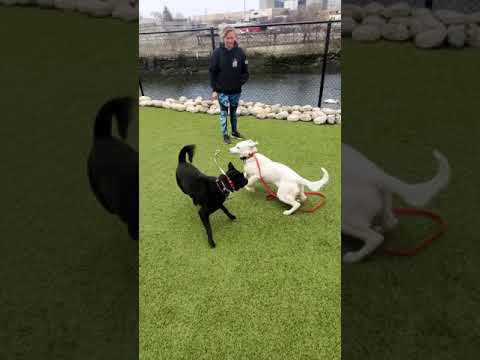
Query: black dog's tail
x=187, y=149
x=122, y=108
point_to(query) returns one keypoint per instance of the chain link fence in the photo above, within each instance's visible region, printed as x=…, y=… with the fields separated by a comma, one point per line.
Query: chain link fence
x=285, y=62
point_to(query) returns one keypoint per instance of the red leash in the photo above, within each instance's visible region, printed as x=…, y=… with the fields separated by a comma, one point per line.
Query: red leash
x=433, y=236
x=271, y=195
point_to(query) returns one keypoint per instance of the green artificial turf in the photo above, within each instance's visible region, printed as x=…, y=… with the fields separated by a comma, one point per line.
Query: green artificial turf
x=398, y=104
x=69, y=270
x=271, y=287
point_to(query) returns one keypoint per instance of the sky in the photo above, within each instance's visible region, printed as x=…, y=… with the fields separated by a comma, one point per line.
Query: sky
x=196, y=7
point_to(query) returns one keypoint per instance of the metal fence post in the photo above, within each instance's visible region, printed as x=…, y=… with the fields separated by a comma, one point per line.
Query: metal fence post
x=429, y=4
x=141, y=87
x=324, y=64
x=212, y=35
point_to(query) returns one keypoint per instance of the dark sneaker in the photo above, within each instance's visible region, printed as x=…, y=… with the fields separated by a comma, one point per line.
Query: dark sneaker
x=237, y=135
x=227, y=139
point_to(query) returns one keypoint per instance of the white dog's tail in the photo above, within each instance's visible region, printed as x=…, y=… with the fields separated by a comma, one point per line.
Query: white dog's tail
x=317, y=185
x=420, y=194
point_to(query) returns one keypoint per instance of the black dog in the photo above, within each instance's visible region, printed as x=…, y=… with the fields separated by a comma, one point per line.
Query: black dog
x=207, y=192
x=113, y=164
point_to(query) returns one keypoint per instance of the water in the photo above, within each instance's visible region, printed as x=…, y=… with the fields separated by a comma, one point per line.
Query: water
x=285, y=89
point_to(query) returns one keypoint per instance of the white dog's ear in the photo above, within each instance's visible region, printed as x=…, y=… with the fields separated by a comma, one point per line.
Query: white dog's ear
x=252, y=143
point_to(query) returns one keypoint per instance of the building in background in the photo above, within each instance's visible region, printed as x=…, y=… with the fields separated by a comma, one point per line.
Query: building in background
x=302, y=4
x=291, y=4
x=267, y=4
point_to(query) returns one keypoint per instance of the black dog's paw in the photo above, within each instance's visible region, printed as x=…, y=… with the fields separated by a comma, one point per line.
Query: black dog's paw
x=233, y=217
x=212, y=245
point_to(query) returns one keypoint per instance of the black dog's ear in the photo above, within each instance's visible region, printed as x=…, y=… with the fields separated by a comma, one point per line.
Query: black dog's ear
x=230, y=166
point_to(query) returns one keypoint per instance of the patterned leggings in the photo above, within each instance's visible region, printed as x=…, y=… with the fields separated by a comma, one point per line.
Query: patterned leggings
x=228, y=102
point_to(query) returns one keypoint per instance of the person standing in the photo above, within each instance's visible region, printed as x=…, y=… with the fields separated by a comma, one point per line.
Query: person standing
x=228, y=73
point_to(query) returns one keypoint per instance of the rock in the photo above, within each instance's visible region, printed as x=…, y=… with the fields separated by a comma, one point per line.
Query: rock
x=271, y=115
x=144, y=98
x=306, y=117
x=374, y=20
x=125, y=10
x=182, y=99
x=416, y=26
x=338, y=118
x=328, y=111
x=180, y=107
x=473, y=35
x=66, y=4
x=46, y=3
x=96, y=8
x=261, y=116
x=457, y=36
x=368, y=33
x=431, y=38
x=401, y=20
x=296, y=112
x=423, y=23
x=282, y=115
x=449, y=17
x=354, y=11
x=307, y=108
x=421, y=11
x=395, y=32
x=397, y=10
x=374, y=8
x=331, y=119
x=320, y=119
x=257, y=110
x=293, y=118
x=159, y=103
x=474, y=18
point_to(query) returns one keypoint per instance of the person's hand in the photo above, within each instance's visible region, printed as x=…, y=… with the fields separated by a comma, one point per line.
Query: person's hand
x=214, y=95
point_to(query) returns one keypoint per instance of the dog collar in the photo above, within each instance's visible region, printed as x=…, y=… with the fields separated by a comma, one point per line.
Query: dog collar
x=245, y=158
x=224, y=189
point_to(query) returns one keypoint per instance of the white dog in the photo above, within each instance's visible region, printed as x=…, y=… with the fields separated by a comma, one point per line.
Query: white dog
x=290, y=185
x=367, y=198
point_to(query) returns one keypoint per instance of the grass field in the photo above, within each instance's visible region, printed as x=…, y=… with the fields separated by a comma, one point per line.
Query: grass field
x=398, y=104
x=271, y=287
x=69, y=270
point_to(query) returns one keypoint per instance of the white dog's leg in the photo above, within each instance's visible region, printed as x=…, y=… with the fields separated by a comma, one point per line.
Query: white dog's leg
x=388, y=218
x=251, y=182
x=288, y=197
x=372, y=240
x=303, y=197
